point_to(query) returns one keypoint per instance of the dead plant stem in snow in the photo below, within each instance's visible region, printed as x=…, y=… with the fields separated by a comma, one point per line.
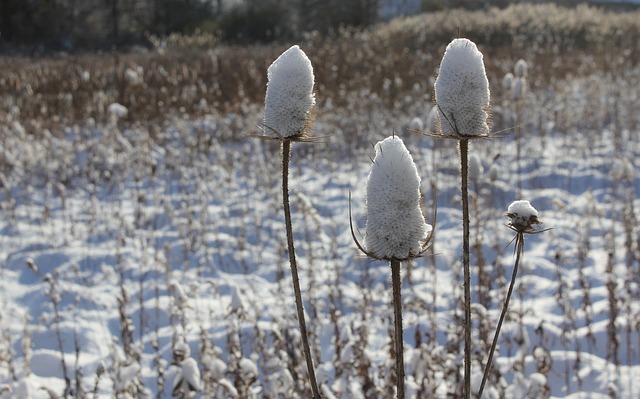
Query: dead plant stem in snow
x=286, y=152
x=464, y=166
x=396, y=282
x=519, y=250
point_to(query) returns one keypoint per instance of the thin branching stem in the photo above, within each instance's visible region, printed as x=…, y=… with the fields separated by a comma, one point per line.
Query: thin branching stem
x=286, y=152
x=396, y=282
x=519, y=250
x=464, y=166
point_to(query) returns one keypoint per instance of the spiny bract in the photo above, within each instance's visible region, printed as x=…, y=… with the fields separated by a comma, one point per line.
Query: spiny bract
x=289, y=97
x=462, y=90
x=395, y=225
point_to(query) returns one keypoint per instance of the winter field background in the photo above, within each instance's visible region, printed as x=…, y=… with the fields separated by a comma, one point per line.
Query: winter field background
x=121, y=236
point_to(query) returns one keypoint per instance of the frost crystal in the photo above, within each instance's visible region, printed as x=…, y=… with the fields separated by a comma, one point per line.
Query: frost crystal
x=462, y=90
x=395, y=225
x=289, y=97
x=522, y=215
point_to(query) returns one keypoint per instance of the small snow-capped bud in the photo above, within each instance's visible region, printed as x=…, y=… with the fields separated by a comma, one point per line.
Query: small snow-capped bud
x=289, y=99
x=117, y=111
x=520, y=69
x=134, y=77
x=181, y=349
x=248, y=367
x=395, y=226
x=507, y=81
x=537, y=386
x=462, y=90
x=519, y=88
x=523, y=216
x=187, y=380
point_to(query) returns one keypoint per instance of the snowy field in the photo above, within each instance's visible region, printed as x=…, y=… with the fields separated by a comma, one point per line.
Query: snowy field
x=120, y=243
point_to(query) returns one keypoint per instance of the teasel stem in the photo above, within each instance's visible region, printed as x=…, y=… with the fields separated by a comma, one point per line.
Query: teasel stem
x=396, y=283
x=464, y=166
x=286, y=152
x=519, y=249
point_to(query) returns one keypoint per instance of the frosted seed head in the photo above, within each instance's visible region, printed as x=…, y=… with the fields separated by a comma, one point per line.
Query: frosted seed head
x=395, y=225
x=536, y=385
x=523, y=216
x=462, y=90
x=117, y=111
x=181, y=350
x=519, y=88
x=289, y=99
x=507, y=81
x=520, y=69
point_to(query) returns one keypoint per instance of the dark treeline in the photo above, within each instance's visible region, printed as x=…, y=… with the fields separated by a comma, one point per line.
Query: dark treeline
x=104, y=24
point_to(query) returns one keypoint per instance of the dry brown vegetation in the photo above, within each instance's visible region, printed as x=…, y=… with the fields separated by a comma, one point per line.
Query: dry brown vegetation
x=389, y=64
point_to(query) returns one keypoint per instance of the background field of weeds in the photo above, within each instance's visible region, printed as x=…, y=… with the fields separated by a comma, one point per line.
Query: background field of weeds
x=122, y=236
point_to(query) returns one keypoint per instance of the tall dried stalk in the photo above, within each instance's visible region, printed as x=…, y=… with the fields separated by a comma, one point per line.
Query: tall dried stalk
x=464, y=166
x=286, y=152
x=524, y=219
x=396, y=283
x=505, y=307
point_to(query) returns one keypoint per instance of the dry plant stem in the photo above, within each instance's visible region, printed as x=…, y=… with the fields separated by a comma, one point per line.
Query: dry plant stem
x=396, y=282
x=286, y=151
x=464, y=166
x=487, y=369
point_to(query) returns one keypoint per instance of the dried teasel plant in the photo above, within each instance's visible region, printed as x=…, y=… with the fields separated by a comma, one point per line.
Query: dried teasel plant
x=288, y=117
x=463, y=98
x=524, y=219
x=396, y=230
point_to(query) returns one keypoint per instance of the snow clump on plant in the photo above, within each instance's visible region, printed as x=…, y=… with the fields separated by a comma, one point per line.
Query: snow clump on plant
x=462, y=90
x=289, y=99
x=523, y=216
x=395, y=227
x=117, y=111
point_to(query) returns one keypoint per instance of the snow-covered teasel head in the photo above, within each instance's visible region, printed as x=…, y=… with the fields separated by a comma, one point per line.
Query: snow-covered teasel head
x=507, y=81
x=519, y=88
x=290, y=99
x=395, y=229
x=520, y=69
x=523, y=216
x=462, y=91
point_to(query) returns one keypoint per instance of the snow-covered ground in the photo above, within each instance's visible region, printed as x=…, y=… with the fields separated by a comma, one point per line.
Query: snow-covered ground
x=119, y=243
